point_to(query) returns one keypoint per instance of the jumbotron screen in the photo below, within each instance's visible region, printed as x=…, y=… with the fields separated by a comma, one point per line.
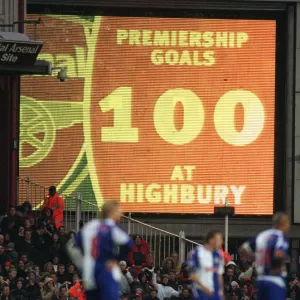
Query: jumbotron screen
x=165, y=115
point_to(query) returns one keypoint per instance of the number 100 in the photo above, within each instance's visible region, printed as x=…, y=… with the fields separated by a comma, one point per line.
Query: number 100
x=120, y=101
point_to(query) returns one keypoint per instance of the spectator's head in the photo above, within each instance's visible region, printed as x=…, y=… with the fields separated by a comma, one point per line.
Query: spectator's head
x=165, y=280
x=19, y=284
x=175, y=256
x=153, y=293
x=184, y=267
x=138, y=295
x=24, y=257
x=75, y=278
x=142, y=277
x=54, y=277
x=12, y=273
x=231, y=264
x=26, y=206
x=63, y=292
x=48, y=283
x=55, y=260
x=245, y=290
x=27, y=235
x=52, y=190
x=27, y=224
x=157, y=270
x=214, y=239
x=21, y=231
x=21, y=265
x=1, y=239
x=55, y=237
x=124, y=297
x=36, y=269
x=71, y=269
x=10, y=247
x=6, y=291
x=294, y=275
x=229, y=271
x=48, y=268
x=31, y=283
x=111, y=210
x=122, y=265
x=12, y=211
x=138, y=240
x=11, y=224
x=234, y=285
x=172, y=275
x=185, y=292
x=7, y=266
x=71, y=235
x=41, y=283
x=281, y=221
x=47, y=212
x=7, y=237
x=2, y=250
x=61, y=269
x=170, y=264
x=61, y=230
x=32, y=276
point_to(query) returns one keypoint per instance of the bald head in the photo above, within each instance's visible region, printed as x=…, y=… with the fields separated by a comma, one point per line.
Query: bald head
x=281, y=221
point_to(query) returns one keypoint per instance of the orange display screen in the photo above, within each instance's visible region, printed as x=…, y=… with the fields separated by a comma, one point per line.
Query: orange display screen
x=166, y=115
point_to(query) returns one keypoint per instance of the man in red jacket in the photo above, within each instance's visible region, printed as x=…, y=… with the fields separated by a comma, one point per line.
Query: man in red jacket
x=56, y=204
x=140, y=252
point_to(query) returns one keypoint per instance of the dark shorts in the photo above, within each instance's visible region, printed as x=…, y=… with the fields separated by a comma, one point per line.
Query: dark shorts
x=271, y=288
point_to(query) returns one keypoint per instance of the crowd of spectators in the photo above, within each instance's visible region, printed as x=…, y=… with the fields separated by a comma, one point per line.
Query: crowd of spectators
x=35, y=266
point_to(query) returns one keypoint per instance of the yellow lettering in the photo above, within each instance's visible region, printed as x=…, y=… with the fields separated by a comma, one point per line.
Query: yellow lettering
x=195, y=37
x=224, y=119
x=209, y=58
x=237, y=192
x=189, y=172
x=122, y=35
x=207, y=198
x=172, y=57
x=147, y=38
x=187, y=193
x=208, y=40
x=161, y=38
x=157, y=57
x=152, y=195
x=134, y=37
x=185, y=58
x=222, y=39
x=127, y=192
x=177, y=174
x=164, y=116
x=170, y=193
x=231, y=40
x=241, y=38
x=174, y=38
x=196, y=59
x=183, y=39
x=140, y=193
x=221, y=192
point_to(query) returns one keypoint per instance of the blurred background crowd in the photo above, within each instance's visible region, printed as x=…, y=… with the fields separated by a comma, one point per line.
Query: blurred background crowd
x=34, y=265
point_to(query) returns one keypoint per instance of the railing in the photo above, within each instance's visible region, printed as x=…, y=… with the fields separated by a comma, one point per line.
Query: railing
x=30, y=191
x=78, y=211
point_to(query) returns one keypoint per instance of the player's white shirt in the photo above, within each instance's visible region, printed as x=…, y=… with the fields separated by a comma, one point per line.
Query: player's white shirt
x=264, y=247
x=84, y=239
x=207, y=265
